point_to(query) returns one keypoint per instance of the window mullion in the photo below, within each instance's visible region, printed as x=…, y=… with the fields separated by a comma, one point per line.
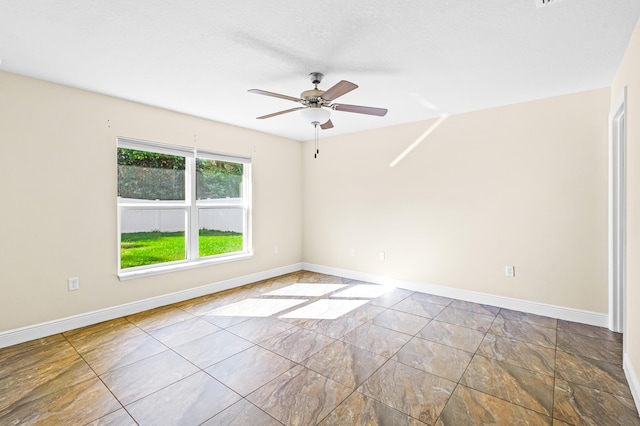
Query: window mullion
x=246, y=201
x=192, y=225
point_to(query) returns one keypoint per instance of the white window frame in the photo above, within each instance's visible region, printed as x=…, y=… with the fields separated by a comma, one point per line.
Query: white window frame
x=191, y=207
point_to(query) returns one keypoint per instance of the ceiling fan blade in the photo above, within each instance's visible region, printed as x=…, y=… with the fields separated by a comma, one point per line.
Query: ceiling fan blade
x=279, y=112
x=275, y=95
x=338, y=90
x=327, y=125
x=360, y=109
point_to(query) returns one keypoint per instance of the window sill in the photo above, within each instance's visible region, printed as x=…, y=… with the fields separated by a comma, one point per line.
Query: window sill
x=125, y=275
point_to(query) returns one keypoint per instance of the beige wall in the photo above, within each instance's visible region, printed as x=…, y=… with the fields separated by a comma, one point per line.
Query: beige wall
x=629, y=76
x=59, y=164
x=522, y=185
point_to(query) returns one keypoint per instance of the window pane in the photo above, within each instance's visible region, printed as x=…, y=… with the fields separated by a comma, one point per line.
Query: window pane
x=217, y=179
x=149, y=237
x=220, y=231
x=145, y=175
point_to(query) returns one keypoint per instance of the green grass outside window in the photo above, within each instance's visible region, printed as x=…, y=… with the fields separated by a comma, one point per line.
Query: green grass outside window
x=150, y=248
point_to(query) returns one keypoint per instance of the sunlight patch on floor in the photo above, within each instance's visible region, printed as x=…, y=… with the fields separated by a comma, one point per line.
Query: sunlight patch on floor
x=256, y=307
x=306, y=290
x=325, y=309
x=330, y=306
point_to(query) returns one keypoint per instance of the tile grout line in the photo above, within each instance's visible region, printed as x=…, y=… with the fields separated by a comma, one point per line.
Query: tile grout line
x=381, y=365
x=303, y=366
x=354, y=390
x=97, y=376
x=490, y=395
x=467, y=367
x=198, y=370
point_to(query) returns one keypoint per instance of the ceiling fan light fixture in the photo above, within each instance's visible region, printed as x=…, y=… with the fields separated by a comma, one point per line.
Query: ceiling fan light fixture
x=315, y=115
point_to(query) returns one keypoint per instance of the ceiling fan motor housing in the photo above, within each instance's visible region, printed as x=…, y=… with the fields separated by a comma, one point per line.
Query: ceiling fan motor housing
x=312, y=97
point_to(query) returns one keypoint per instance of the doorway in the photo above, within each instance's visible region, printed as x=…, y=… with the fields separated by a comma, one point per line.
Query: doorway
x=617, y=214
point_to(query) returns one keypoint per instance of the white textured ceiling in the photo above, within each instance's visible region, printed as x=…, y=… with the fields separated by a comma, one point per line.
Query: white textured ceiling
x=418, y=58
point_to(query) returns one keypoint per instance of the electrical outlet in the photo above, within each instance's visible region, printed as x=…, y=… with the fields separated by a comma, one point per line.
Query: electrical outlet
x=74, y=284
x=276, y=250
x=353, y=252
x=381, y=255
x=510, y=271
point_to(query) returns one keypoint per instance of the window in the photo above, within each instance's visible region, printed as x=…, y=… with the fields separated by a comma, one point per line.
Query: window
x=180, y=207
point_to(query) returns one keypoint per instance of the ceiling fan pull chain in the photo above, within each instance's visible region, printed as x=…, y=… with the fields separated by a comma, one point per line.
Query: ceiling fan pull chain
x=317, y=150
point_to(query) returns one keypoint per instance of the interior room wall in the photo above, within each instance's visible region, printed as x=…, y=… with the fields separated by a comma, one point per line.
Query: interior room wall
x=58, y=186
x=522, y=185
x=629, y=76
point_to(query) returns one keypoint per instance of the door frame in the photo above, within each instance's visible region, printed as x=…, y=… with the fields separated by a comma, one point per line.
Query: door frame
x=617, y=213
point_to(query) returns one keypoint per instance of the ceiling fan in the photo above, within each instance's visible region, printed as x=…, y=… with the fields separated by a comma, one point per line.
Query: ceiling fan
x=317, y=104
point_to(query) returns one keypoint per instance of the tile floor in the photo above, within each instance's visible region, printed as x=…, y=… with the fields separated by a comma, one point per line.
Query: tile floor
x=306, y=349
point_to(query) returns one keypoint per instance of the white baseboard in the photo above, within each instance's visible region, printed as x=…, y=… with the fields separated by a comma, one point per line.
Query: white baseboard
x=632, y=379
x=553, y=311
x=37, y=331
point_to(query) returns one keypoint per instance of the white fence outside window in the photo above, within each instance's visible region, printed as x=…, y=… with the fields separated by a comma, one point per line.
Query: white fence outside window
x=173, y=220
